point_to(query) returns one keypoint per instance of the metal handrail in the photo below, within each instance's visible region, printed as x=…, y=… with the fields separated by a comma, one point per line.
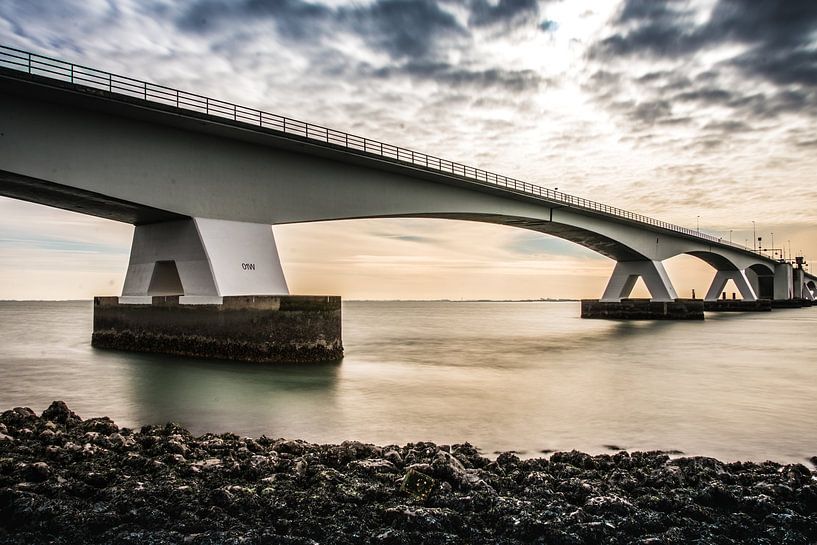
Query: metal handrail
x=87, y=78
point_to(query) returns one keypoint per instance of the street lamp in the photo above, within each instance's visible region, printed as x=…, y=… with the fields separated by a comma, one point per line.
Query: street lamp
x=730, y=236
x=698, y=224
x=754, y=236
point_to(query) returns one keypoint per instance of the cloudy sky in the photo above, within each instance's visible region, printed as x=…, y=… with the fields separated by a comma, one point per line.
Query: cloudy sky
x=692, y=112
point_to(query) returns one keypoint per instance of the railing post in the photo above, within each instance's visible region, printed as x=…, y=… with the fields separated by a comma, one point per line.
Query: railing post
x=110, y=82
x=146, y=90
x=72, y=73
x=29, y=63
x=207, y=105
x=177, y=98
x=235, y=112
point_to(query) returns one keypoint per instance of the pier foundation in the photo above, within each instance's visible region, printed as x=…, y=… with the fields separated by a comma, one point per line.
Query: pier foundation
x=738, y=305
x=787, y=303
x=643, y=309
x=266, y=328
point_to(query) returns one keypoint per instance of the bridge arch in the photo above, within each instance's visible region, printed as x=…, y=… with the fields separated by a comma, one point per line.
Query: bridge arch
x=718, y=261
x=762, y=279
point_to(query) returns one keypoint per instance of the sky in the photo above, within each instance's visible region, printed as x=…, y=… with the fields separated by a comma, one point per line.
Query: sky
x=701, y=113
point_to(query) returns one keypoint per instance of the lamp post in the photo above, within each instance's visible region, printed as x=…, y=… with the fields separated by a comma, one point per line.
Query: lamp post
x=730, y=236
x=698, y=224
x=754, y=236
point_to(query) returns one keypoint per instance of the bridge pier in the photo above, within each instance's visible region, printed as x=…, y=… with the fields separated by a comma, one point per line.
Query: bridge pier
x=664, y=304
x=202, y=260
x=783, y=281
x=625, y=275
x=740, y=280
x=215, y=289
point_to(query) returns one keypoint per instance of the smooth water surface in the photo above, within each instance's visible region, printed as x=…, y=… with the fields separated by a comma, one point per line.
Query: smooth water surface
x=504, y=376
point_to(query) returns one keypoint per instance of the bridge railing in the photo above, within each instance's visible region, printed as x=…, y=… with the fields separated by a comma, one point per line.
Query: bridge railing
x=90, y=80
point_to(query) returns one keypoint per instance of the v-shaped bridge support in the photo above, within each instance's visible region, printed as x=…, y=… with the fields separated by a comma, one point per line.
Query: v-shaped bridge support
x=736, y=276
x=626, y=274
x=202, y=260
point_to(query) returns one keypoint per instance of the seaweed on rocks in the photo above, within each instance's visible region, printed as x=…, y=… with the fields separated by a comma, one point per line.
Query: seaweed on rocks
x=68, y=480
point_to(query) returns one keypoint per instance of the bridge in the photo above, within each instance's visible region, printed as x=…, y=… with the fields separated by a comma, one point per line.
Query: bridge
x=203, y=180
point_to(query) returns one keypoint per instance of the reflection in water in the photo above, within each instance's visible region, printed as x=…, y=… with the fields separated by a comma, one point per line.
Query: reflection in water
x=214, y=395
x=523, y=376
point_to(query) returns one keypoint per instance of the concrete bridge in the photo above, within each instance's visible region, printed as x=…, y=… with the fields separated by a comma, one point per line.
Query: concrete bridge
x=203, y=180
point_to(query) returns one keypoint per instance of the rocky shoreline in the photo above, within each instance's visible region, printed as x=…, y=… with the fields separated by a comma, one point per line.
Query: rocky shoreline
x=68, y=480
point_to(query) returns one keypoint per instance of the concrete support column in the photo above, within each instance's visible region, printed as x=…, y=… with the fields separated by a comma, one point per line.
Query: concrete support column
x=810, y=290
x=738, y=277
x=203, y=260
x=626, y=274
x=783, y=281
x=801, y=288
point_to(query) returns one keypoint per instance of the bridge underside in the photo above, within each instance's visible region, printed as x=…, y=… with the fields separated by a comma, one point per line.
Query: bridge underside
x=197, y=258
x=26, y=188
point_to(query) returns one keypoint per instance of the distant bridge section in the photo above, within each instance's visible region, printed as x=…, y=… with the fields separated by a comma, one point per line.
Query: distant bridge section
x=203, y=179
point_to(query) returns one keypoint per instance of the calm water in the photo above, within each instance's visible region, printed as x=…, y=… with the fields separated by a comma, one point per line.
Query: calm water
x=504, y=376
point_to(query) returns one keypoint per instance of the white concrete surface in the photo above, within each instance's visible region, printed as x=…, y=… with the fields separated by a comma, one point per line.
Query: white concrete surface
x=740, y=280
x=214, y=258
x=625, y=275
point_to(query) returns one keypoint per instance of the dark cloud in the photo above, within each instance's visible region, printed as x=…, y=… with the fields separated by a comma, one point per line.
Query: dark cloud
x=779, y=34
x=772, y=72
x=401, y=28
x=408, y=238
x=293, y=18
x=727, y=127
x=649, y=27
x=705, y=95
x=418, y=36
x=650, y=112
x=457, y=76
x=504, y=12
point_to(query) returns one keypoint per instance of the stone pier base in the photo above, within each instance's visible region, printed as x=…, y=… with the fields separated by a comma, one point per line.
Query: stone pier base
x=286, y=328
x=644, y=309
x=738, y=305
x=788, y=303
